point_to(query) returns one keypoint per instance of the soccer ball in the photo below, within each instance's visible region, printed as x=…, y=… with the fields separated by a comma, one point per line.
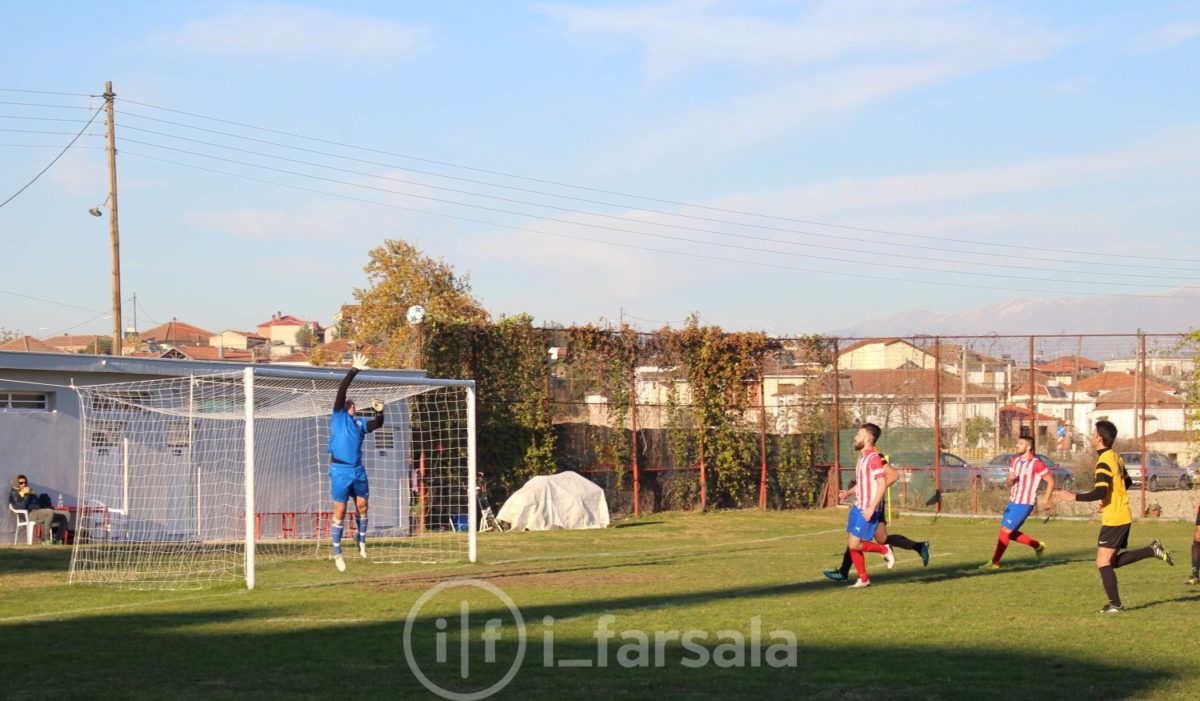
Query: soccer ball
x=416, y=314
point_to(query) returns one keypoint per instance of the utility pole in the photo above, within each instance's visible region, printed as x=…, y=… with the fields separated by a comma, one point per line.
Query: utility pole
x=114, y=233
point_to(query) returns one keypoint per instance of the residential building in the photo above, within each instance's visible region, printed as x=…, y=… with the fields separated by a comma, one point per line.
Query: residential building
x=237, y=340
x=28, y=344
x=89, y=343
x=283, y=329
x=175, y=334
x=1068, y=368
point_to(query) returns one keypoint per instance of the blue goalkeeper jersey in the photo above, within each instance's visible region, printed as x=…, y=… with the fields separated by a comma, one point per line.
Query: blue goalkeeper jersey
x=346, y=438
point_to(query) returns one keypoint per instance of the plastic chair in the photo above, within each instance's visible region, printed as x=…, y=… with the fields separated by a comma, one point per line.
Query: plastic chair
x=23, y=522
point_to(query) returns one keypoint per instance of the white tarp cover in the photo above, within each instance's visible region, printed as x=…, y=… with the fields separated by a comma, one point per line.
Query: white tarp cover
x=566, y=500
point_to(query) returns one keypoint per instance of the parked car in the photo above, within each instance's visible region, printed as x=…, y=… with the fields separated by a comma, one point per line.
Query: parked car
x=997, y=471
x=956, y=475
x=1161, y=471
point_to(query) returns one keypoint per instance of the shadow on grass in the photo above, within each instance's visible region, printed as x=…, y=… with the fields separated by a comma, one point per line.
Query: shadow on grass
x=282, y=652
x=31, y=559
x=1193, y=596
x=635, y=524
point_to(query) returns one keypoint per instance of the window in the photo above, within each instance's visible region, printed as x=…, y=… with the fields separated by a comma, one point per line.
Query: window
x=106, y=434
x=177, y=436
x=385, y=439
x=129, y=400
x=25, y=401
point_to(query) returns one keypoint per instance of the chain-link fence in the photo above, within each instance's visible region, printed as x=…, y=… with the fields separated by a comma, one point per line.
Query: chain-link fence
x=647, y=428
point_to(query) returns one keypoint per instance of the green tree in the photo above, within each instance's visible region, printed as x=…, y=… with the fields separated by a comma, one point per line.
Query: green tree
x=399, y=275
x=977, y=428
x=304, y=337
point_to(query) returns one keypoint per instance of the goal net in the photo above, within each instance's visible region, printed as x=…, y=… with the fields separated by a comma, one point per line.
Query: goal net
x=191, y=481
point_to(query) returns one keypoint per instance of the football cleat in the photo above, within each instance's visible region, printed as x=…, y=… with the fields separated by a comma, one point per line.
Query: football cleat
x=340, y=562
x=835, y=575
x=860, y=584
x=989, y=566
x=1111, y=608
x=1161, y=553
x=362, y=549
x=924, y=553
x=1193, y=580
x=889, y=557
x=1040, y=550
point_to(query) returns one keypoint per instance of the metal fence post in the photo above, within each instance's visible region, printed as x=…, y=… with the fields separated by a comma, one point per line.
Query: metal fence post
x=834, y=483
x=633, y=443
x=1140, y=416
x=762, y=437
x=937, y=424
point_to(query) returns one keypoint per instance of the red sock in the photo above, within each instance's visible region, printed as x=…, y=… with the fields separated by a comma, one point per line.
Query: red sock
x=860, y=565
x=1026, y=540
x=1001, y=546
x=871, y=547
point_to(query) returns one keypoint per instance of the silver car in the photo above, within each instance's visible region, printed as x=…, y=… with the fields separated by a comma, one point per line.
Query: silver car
x=1161, y=471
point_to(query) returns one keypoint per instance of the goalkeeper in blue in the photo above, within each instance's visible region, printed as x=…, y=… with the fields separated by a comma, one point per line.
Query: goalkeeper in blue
x=347, y=476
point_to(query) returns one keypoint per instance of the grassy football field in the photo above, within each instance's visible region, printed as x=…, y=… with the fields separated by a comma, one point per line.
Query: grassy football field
x=696, y=586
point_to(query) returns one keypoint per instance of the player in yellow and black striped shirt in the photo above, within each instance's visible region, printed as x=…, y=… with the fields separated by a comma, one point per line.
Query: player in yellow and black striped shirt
x=1111, y=490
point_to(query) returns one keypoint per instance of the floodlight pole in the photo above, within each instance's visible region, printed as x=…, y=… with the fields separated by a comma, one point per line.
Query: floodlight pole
x=113, y=230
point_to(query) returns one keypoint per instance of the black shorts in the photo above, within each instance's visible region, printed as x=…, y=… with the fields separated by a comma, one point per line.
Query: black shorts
x=1116, y=537
x=1198, y=514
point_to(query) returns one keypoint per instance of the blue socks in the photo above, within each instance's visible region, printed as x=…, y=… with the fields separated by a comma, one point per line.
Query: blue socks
x=361, y=537
x=336, y=531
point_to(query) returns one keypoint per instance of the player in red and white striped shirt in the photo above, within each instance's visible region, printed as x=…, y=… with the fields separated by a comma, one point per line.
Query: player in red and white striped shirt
x=1024, y=476
x=868, y=490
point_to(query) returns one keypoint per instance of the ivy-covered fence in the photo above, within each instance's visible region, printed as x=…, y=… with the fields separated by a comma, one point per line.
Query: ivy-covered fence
x=699, y=418
x=668, y=420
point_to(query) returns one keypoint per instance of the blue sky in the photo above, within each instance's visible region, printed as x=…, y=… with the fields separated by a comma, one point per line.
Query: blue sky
x=840, y=161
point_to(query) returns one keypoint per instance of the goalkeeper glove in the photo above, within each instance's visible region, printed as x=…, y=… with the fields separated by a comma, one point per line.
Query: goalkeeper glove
x=378, y=405
x=360, y=361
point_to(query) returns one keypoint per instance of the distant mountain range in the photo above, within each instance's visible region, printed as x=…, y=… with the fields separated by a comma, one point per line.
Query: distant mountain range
x=1173, y=312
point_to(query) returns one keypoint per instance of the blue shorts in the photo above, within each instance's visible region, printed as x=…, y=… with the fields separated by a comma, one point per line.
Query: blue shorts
x=862, y=528
x=1015, y=515
x=347, y=481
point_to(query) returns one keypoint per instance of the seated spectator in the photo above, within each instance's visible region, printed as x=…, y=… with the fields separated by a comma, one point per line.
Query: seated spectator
x=53, y=523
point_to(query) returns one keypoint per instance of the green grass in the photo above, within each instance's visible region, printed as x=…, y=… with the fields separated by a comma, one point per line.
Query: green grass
x=948, y=631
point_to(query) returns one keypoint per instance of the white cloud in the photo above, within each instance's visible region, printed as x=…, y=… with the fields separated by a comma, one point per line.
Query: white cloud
x=1174, y=148
x=1166, y=37
x=833, y=57
x=288, y=31
x=680, y=36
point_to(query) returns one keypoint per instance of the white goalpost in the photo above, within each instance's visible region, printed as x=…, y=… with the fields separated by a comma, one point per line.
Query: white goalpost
x=191, y=481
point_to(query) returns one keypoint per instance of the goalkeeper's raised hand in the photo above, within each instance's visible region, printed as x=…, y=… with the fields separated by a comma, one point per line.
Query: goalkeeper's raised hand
x=377, y=405
x=360, y=361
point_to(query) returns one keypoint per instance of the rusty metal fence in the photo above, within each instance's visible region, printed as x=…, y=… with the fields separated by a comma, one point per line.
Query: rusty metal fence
x=951, y=408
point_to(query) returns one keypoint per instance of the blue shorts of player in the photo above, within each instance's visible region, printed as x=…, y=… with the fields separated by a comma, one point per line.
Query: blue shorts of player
x=1015, y=515
x=347, y=481
x=860, y=527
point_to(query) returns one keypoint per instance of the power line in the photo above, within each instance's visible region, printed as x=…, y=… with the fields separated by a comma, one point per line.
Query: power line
x=623, y=219
x=498, y=210
x=1125, y=265
x=46, y=146
x=55, y=160
x=880, y=278
x=49, y=92
x=679, y=203
x=44, y=104
x=48, y=301
x=41, y=119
